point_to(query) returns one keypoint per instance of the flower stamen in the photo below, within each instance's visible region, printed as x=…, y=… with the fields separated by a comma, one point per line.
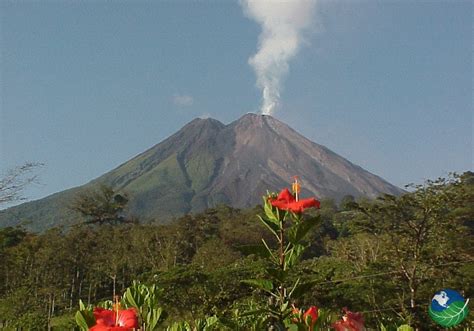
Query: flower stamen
x=296, y=188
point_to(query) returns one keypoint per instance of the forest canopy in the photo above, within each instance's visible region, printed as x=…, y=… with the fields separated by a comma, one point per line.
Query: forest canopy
x=384, y=257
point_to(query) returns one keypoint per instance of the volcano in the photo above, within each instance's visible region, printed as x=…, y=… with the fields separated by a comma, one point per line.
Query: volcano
x=207, y=163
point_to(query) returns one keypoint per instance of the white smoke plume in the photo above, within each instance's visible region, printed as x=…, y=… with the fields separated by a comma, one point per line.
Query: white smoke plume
x=283, y=23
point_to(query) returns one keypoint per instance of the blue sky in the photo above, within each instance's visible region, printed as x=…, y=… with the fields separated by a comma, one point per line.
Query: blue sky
x=88, y=85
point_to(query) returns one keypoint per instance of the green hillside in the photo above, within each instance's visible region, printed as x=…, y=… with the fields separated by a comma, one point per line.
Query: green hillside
x=162, y=190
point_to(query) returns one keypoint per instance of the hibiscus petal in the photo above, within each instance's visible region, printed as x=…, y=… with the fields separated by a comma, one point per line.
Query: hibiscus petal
x=358, y=317
x=285, y=195
x=310, y=202
x=120, y=328
x=313, y=313
x=300, y=206
x=280, y=204
x=128, y=318
x=286, y=201
x=350, y=322
x=100, y=327
x=104, y=316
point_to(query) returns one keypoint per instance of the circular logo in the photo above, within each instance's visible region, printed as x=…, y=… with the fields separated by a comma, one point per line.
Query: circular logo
x=448, y=308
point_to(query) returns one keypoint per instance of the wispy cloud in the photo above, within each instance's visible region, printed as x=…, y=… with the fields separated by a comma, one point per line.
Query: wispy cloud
x=183, y=100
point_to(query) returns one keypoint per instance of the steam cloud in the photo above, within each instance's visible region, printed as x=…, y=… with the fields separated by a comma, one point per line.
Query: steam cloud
x=283, y=23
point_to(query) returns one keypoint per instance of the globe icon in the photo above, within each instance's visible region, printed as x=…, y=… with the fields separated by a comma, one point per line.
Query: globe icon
x=448, y=308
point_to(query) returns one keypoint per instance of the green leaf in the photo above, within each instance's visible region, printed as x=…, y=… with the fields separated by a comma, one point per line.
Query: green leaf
x=299, y=230
x=299, y=289
x=106, y=304
x=294, y=255
x=199, y=325
x=270, y=252
x=284, y=306
x=81, y=305
x=258, y=250
x=294, y=287
x=179, y=326
x=85, y=319
x=277, y=274
x=269, y=213
x=405, y=327
x=153, y=317
x=80, y=321
x=263, y=284
x=130, y=298
x=210, y=322
x=274, y=228
x=292, y=327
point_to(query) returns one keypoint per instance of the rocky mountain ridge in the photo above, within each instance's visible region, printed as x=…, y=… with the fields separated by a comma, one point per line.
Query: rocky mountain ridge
x=207, y=163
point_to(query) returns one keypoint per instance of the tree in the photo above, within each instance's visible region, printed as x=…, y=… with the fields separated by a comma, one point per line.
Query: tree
x=14, y=181
x=213, y=254
x=102, y=206
x=423, y=236
x=347, y=202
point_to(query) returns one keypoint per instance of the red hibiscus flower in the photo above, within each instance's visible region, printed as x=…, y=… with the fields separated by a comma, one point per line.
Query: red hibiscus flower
x=286, y=201
x=109, y=320
x=350, y=322
x=312, y=313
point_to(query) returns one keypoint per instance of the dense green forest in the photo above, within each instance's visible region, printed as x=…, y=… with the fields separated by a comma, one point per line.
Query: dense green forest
x=384, y=258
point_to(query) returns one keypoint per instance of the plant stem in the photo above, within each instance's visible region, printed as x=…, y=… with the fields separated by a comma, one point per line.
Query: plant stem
x=282, y=261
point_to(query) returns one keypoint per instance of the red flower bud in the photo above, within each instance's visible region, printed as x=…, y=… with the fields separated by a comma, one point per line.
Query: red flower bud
x=310, y=316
